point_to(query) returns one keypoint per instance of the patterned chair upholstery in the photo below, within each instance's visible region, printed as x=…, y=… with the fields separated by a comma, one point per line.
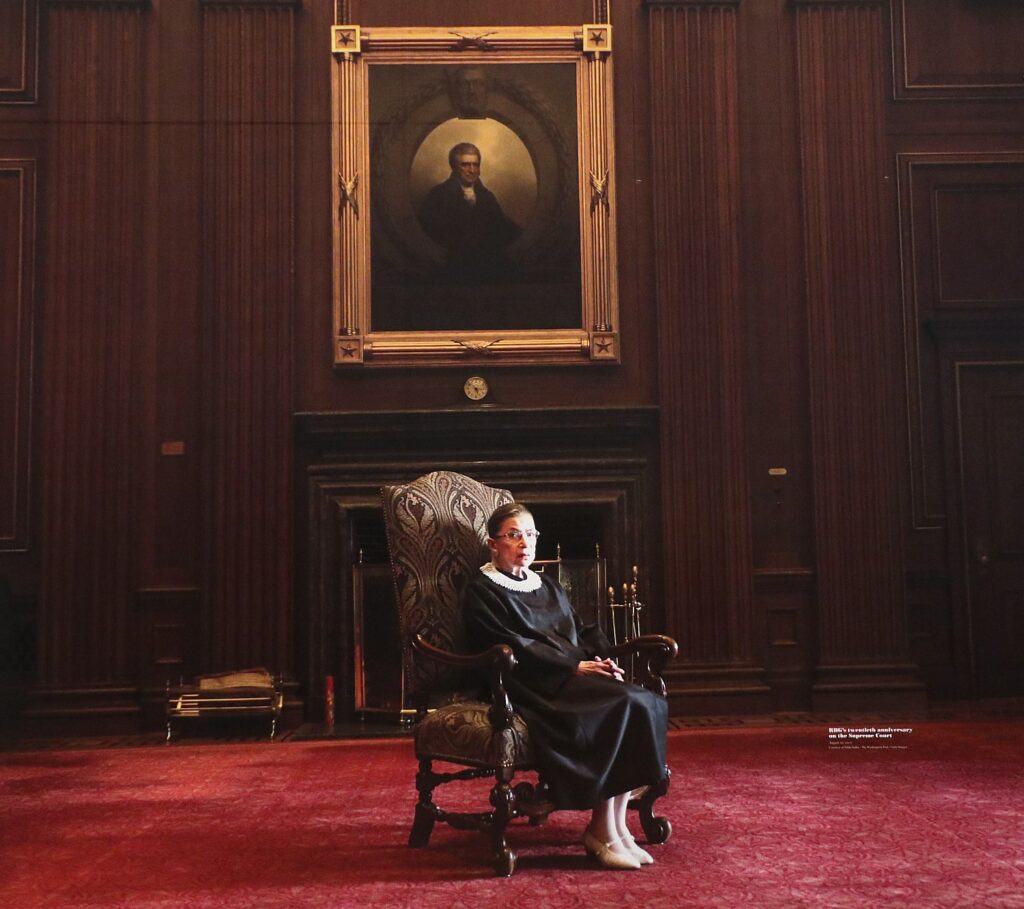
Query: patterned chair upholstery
x=437, y=532
x=437, y=539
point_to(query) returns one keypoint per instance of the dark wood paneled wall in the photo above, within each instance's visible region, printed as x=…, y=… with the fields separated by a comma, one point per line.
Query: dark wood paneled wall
x=956, y=138
x=852, y=342
x=819, y=223
x=706, y=524
x=19, y=219
x=18, y=216
x=96, y=212
x=955, y=50
x=248, y=299
x=19, y=51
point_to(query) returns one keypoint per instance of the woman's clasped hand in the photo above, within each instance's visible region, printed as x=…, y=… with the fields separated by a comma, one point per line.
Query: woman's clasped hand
x=600, y=666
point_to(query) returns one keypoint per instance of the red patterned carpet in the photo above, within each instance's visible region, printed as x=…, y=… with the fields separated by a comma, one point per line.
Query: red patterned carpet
x=763, y=817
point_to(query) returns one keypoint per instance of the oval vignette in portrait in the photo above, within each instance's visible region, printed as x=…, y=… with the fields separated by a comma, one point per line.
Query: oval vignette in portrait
x=507, y=168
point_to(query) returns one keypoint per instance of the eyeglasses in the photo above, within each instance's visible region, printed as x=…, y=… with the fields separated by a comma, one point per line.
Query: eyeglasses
x=516, y=535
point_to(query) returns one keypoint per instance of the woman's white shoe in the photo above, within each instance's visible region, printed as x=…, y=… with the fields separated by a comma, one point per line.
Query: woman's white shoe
x=641, y=855
x=607, y=855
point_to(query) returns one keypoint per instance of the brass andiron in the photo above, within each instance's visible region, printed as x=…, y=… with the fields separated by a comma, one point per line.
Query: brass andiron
x=626, y=614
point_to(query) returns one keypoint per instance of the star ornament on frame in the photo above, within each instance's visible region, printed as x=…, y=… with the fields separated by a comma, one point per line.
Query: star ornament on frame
x=604, y=346
x=349, y=349
x=346, y=39
x=597, y=39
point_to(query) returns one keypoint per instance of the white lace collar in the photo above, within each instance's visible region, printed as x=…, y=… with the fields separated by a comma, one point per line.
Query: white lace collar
x=528, y=584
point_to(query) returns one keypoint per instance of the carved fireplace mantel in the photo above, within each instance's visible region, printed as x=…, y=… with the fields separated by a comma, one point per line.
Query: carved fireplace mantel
x=589, y=474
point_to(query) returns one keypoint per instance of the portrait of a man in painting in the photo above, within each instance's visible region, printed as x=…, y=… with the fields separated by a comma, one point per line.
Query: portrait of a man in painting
x=465, y=218
x=475, y=200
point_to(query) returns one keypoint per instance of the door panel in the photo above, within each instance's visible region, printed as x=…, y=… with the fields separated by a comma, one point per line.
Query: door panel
x=992, y=446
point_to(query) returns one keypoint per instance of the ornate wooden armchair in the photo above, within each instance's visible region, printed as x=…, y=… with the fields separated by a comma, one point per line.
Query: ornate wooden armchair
x=437, y=531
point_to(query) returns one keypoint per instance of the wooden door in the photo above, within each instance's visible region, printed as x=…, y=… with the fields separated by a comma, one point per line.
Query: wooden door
x=992, y=477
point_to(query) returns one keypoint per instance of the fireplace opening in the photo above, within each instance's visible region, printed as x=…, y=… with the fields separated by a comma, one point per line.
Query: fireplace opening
x=588, y=476
x=571, y=547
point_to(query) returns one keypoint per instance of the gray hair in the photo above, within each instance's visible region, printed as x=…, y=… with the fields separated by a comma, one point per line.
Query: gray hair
x=463, y=148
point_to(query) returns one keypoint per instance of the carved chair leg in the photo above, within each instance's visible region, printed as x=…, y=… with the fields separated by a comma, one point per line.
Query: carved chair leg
x=503, y=800
x=656, y=829
x=426, y=811
x=534, y=801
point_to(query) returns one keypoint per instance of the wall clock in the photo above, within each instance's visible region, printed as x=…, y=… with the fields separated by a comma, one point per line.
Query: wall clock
x=476, y=388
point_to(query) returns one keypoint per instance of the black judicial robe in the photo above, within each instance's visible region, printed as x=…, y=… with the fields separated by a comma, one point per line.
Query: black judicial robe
x=593, y=737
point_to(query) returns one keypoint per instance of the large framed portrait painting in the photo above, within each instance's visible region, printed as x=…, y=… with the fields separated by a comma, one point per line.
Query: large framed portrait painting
x=473, y=190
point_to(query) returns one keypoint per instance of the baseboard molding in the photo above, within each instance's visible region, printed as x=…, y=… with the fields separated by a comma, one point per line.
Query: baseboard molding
x=717, y=689
x=93, y=710
x=879, y=686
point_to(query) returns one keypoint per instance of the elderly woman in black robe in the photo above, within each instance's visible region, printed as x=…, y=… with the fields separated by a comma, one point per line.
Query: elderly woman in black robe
x=595, y=736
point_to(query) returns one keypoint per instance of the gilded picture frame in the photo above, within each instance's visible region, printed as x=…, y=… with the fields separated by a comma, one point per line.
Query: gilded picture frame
x=474, y=214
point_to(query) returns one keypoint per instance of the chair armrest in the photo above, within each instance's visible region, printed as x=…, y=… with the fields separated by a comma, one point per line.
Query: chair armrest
x=495, y=660
x=654, y=650
x=499, y=655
